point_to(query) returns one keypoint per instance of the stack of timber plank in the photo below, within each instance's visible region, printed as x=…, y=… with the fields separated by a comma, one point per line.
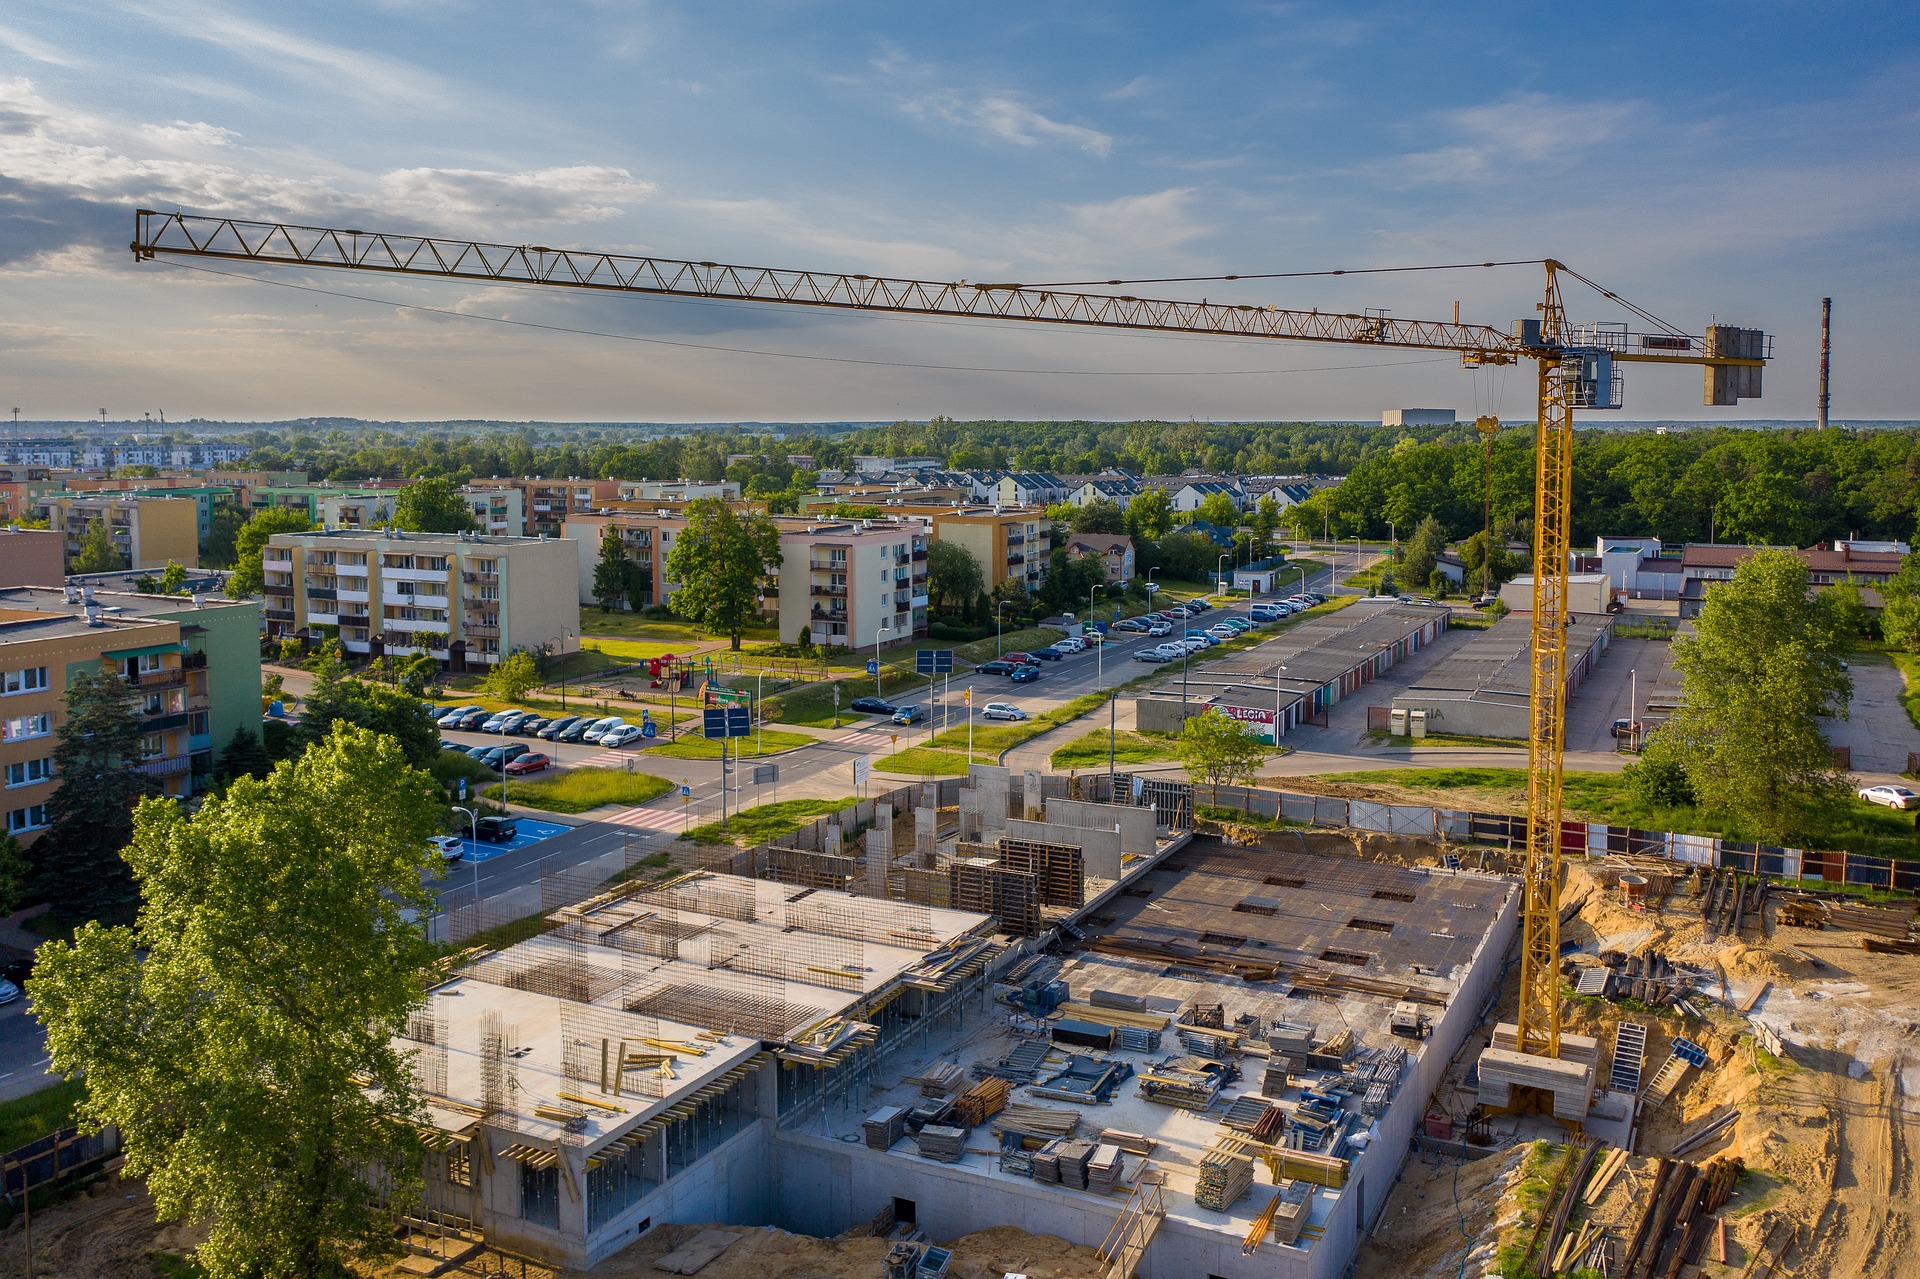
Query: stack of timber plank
x=884, y=1127
x=1224, y=1180
x=982, y=1101
x=937, y=1079
x=938, y=1141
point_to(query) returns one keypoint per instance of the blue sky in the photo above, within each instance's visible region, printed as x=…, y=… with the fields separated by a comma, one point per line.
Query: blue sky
x=1704, y=160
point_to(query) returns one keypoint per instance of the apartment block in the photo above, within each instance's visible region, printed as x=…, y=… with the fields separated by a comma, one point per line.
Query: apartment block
x=330, y=505
x=465, y=598
x=21, y=488
x=149, y=531
x=1115, y=551
x=501, y=512
x=548, y=503
x=195, y=663
x=676, y=490
x=32, y=556
x=1008, y=542
x=206, y=499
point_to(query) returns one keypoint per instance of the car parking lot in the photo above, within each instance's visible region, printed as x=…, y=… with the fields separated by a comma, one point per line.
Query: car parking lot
x=527, y=832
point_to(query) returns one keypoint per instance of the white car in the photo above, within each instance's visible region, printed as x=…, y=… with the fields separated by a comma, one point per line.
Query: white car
x=1002, y=710
x=1160, y=628
x=1891, y=796
x=601, y=728
x=620, y=735
x=448, y=846
x=1223, y=632
x=1070, y=645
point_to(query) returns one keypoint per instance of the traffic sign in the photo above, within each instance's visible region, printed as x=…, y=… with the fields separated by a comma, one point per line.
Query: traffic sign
x=649, y=729
x=463, y=788
x=873, y=667
x=862, y=768
x=764, y=773
x=933, y=661
x=713, y=721
x=686, y=791
x=739, y=721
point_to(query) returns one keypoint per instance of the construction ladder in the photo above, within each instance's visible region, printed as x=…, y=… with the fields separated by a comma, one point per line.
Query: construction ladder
x=1665, y=1081
x=1629, y=1055
x=1134, y=1229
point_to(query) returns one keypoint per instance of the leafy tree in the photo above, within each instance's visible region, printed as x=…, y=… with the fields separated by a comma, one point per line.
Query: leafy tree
x=1659, y=778
x=243, y=756
x=1150, y=514
x=1765, y=662
x=250, y=544
x=1102, y=515
x=1218, y=509
x=172, y=579
x=97, y=553
x=1900, y=618
x=334, y=697
x=147, y=585
x=513, y=676
x=1266, y=520
x=223, y=525
x=1012, y=593
x=1419, y=553
x=613, y=571
x=720, y=562
x=16, y=873
x=1070, y=580
x=433, y=505
x=1215, y=747
x=1189, y=557
x=81, y=871
x=241, y=1035
x=953, y=576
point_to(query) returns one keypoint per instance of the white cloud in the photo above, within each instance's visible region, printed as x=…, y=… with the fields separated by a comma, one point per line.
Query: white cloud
x=1526, y=131
x=195, y=134
x=1005, y=116
x=39, y=50
x=582, y=193
x=1111, y=234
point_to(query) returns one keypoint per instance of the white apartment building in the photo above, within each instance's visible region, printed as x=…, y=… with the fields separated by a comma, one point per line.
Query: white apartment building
x=857, y=584
x=465, y=598
x=502, y=512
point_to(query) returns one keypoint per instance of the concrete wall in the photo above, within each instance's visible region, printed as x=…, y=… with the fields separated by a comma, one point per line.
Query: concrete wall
x=1136, y=824
x=32, y=557
x=1099, y=848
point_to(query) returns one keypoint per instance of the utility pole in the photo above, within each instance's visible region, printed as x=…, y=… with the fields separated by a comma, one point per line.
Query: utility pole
x=1826, y=357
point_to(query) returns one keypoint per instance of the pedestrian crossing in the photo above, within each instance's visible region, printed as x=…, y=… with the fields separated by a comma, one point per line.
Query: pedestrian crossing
x=866, y=737
x=605, y=759
x=647, y=819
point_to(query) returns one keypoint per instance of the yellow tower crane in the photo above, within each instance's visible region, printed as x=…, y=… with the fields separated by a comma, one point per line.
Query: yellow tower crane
x=1578, y=366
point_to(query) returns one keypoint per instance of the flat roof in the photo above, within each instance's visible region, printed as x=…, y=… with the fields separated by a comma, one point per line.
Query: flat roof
x=1497, y=660
x=707, y=969
x=1322, y=648
x=116, y=605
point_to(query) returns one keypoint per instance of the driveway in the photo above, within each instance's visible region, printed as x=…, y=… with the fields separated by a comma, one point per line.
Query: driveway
x=1877, y=728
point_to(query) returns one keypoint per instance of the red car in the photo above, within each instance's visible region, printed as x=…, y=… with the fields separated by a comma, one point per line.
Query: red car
x=533, y=762
x=1021, y=659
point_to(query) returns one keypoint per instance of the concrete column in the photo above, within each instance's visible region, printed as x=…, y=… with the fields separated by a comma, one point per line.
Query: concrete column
x=1034, y=802
x=926, y=841
x=832, y=848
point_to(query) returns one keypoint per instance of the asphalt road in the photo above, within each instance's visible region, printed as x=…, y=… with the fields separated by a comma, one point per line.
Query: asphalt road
x=23, y=1052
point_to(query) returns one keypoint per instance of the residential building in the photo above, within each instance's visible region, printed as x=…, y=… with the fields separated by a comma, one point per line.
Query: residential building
x=1284, y=492
x=547, y=503
x=502, y=512
x=205, y=498
x=330, y=505
x=149, y=531
x=1027, y=488
x=20, y=490
x=1417, y=417
x=888, y=495
x=1115, y=551
x=1190, y=493
x=675, y=490
x=465, y=598
x=39, y=452
x=195, y=662
x=1702, y=565
x=1009, y=543
x=103, y=455
x=32, y=556
x=869, y=462
x=1104, y=488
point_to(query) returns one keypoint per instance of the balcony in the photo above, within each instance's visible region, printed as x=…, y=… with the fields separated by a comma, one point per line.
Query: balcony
x=277, y=614
x=920, y=553
x=164, y=723
x=827, y=566
x=272, y=588
x=838, y=592
x=322, y=593
x=168, y=677
x=837, y=615
x=193, y=661
x=166, y=766
x=481, y=579
x=1016, y=558
x=1016, y=539
x=919, y=579
x=489, y=630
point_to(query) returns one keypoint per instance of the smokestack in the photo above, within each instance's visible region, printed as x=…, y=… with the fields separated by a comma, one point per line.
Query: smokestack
x=1826, y=356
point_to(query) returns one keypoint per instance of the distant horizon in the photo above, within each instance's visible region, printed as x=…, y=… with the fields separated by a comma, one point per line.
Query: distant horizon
x=140, y=426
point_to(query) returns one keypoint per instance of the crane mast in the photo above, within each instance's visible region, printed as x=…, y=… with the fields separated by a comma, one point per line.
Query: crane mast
x=1578, y=368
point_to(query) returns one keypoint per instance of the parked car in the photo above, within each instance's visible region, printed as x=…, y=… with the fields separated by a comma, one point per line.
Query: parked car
x=576, y=731
x=1002, y=710
x=1890, y=796
x=1153, y=655
x=500, y=756
x=1221, y=631
x=448, y=715
x=600, y=729
x=620, y=735
x=1238, y=625
x=1071, y=644
x=911, y=713
x=447, y=745
x=553, y=730
x=995, y=667
x=1624, y=728
x=481, y=751
x=1047, y=654
x=471, y=721
x=1026, y=675
x=873, y=705
x=504, y=721
x=1021, y=659
x=1160, y=628
x=531, y=725
x=448, y=846
x=531, y=762
x=1131, y=624
x=8, y=991
x=496, y=830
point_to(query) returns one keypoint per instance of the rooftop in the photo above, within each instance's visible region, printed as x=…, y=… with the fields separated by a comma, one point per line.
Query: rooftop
x=1323, y=647
x=1497, y=660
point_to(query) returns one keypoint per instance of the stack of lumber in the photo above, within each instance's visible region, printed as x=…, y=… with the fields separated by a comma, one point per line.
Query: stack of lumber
x=1271, y=1125
x=938, y=1078
x=1610, y=1165
x=1131, y=1142
x=1111, y=999
x=1224, y=1180
x=1278, y=1077
x=1106, y=1168
x=1037, y=1121
x=982, y=1102
x=1245, y=1113
x=1549, y=1232
x=1109, y=1015
x=1890, y=923
x=1295, y=1205
x=884, y=1127
x=1019, y=1065
x=948, y=1145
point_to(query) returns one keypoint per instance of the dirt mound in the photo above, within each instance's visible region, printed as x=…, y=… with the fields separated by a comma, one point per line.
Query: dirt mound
x=108, y=1230
x=766, y=1253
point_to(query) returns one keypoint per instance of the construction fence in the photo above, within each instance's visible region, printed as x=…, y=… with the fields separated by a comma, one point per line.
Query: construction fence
x=67, y=1155
x=1588, y=839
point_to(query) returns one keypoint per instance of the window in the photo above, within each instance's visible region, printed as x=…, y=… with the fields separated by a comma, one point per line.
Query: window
x=33, y=817
x=153, y=745
x=29, y=771
x=24, y=726
x=31, y=680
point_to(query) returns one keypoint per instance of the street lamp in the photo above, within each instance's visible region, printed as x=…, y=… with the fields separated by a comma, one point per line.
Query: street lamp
x=1393, y=531
x=473, y=822
x=1220, y=570
x=996, y=625
x=1099, y=650
x=884, y=628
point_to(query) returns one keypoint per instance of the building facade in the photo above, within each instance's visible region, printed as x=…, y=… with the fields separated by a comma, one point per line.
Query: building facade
x=149, y=531
x=547, y=504
x=32, y=556
x=502, y=512
x=1009, y=543
x=467, y=599
x=1114, y=550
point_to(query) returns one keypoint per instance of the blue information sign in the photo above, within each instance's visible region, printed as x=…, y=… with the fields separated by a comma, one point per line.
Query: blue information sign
x=873, y=668
x=713, y=721
x=933, y=661
x=739, y=721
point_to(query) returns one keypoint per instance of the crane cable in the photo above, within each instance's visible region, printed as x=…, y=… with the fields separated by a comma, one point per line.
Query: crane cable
x=793, y=355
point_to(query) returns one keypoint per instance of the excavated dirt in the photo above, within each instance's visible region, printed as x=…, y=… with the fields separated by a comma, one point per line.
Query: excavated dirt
x=775, y=1254
x=107, y=1231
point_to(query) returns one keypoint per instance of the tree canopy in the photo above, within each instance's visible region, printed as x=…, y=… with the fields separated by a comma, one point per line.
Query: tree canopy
x=1215, y=747
x=336, y=697
x=1102, y=515
x=513, y=676
x=612, y=570
x=433, y=505
x=228, y=1033
x=1218, y=509
x=953, y=577
x=1764, y=665
x=97, y=553
x=250, y=543
x=719, y=565
x=96, y=757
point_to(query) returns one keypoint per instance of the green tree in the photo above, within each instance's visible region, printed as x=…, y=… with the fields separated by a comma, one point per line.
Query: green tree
x=172, y=579
x=250, y=544
x=1419, y=553
x=1764, y=664
x=1188, y=557
x=1102, y=515
x=1900, y=618
x=1150, y=514
x=242, y=1034
x=1215, y=747
x=245, y=755
x=720, y=563
x=97, y=553
x=613, y=571
x=16, y=873
x=953, y=577
x=513, y=676
x=433, y=505
x=223, y=525
x=335, y=698
x=1266, y=520
x=1218, y=509
x=96, y=757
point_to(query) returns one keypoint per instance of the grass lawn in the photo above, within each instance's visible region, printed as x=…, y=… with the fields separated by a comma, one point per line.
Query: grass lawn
x=812, y=704
x=1446, y=739
x=767, y=822
x=1019, y=641
x=39, y=1114
x=627, y=651
x=579, y=789
x=1909, y=665
x=673, y=631
x=921, y=761
x=770, y=742
x=1604, y=797
x=1129, y=748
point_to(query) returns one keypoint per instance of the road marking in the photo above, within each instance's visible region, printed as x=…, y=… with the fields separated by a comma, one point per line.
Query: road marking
x=869, y=737
x=647, y=818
